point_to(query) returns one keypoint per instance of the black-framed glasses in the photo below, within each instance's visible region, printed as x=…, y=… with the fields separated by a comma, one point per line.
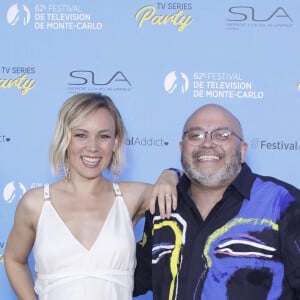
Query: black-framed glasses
x=219, y=136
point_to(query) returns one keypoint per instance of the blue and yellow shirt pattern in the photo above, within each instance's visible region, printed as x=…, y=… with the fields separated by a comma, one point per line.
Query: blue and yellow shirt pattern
x=247, y=248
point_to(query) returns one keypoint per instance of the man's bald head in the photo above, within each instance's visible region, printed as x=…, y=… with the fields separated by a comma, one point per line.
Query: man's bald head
x=212, y=116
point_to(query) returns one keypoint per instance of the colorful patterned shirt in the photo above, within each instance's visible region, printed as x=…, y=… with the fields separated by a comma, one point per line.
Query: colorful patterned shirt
x=247, y=248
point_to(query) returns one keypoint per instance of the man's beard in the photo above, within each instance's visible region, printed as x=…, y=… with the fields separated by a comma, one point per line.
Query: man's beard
x=214, y=179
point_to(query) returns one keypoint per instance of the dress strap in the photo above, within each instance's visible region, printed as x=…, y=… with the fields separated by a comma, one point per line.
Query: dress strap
x=117, y=189
x=46, y=192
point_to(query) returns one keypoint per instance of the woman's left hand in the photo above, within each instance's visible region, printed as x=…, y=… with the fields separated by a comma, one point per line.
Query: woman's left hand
x=165, y=193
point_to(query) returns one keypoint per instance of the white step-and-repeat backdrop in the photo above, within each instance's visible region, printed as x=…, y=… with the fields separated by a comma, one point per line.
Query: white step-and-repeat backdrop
x=158, y=60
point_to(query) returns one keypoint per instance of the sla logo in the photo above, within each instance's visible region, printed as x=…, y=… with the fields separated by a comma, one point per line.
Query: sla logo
x=176, y=81
x=12, y=191
x=18, y=13
x=243, y=13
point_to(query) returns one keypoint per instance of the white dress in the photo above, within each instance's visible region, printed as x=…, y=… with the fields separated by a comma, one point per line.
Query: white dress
x=66, y=270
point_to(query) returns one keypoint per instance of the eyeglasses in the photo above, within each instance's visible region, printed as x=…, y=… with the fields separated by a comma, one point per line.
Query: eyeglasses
x=219, y=136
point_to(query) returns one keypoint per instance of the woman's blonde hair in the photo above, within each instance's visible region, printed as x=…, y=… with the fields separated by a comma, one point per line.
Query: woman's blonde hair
x=73, y=111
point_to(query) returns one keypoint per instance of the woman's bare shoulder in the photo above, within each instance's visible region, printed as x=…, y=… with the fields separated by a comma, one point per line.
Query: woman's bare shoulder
x=32, y=201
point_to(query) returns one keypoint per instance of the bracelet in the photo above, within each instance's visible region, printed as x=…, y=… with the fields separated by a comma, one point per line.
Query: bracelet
x=178, y=172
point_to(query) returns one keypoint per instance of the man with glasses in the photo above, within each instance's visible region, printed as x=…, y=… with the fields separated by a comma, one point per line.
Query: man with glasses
x=234, y=235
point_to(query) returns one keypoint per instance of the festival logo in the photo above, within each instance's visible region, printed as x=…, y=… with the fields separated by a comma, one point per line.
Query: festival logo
x=239, y=17
x=223, y=85
x=53, y=17
x=89, y=80
x=163, y=14
x=18, y=15
x=274, y=145
x=218, y=85
x=176, y=82
x=64, y=17
x=13, y=191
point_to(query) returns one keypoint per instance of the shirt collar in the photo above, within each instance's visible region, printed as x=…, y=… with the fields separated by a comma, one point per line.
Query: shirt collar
x=244, y=181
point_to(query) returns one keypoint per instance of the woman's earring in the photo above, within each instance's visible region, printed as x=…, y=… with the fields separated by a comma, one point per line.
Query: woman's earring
x=67, y=173
x=115, y=167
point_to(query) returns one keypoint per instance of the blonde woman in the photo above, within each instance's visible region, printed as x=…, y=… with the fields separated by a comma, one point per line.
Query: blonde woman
x=81, y=227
